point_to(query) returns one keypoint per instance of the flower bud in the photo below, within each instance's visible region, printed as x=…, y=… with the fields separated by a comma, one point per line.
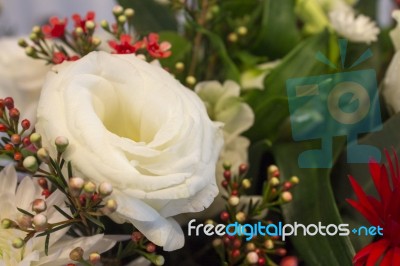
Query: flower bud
x=246, y=183
x=24, y=221
x=136, y=236
x=36, y=29
x=129, y=12
x=14, y=114
x=15, y=139
x=94, y=258
x=33, y=37
x=22, y=43
x=61, y=143
x=17, y=156
x=18, y=243
x=240, y=217
x=233, y=200
x=9, y=102
x=6, y=223
x=96, y=41
x=274, y=181
x=150, y=247
x=30, y=163
x=36, y=140
x=242, y=30
x=39, y=205
x=179, y=66
x=39, y=221
x=224, y=216
x=26, y=124
x=104, y=25
x=79, y=31
x=217, y=242
x=75, y=186
x=117, y=10
x=226, y=165
x=90, y=25
x=30, y=51
x=295, y=180
x=273, y=171
x=250, y=246
x=105, y=189
x=232, y=37
x=110, y=206
x=43, y=155
x=159, y=261
x=122, y=19
x=252, y=257
x=89, y=187
x=190, y=80
x=76, y=254
x=269, y=244
x=286, y=196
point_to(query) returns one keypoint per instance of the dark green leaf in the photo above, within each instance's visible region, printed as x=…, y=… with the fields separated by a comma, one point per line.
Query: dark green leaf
x=46, y=244
x=313, y=202
x=25, y=212
x=150, y=16
x=69, y=169
x=94, y=220
x=48, y=232
x=63, y=212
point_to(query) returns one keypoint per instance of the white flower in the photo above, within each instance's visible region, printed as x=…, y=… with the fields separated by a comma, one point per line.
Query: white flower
x=131, y=124
x=254, y=78
x=33, y=253
x=21, y=77
x=224, y=105
x=355, y=28
x=391, y=82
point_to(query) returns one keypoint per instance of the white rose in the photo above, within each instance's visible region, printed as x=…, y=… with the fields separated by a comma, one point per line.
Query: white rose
x=131, y=124
x=21, y=77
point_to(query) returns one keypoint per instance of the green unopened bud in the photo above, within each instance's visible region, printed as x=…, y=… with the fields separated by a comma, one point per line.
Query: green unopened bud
x=61, y=144
x=105, y=189
x=33, y=37
x=129, y=12
x=286, y=196
x=240, y=217
x=30, y=163
x=75, y=186
x=122, y=19
x=274, y=181
x=76, y=254
x=269, y=244
x=295, y=180
x=109, y=207
x=104, y=25
x=79, y=31
x=30, y=51
x=246, y=183
x=89, y=187
x=36, y=139
x=18, y=243
x=36, y=29
x=191, y=80
x=226, y=165
x=22, y=43
x=159, y=260
x=242, y=30
x=233, y=37
x=96, y=41
x=180, y=66
x=6, y=223
x=43, y=155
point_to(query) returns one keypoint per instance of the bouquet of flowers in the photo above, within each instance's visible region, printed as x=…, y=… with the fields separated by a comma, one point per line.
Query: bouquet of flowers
x=202, y=133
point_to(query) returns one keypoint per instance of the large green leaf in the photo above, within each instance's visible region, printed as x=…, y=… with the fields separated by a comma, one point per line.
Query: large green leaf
x=313, y=202
x=150, y=16
x=270, y=105
x=279, y=32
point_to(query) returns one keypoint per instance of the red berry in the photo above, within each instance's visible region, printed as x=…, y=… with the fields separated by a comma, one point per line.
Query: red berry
x=235, y=185
x=2, y=104
x=226, y=240
x=46, y=193
x=95, y=197
x=227, y=175
x=235, y=192
x=25, y=124
x=224, y=183
x=243, y=168
x=8, y=147
x=287, y=185
x=26, y=141
x=136, y=236
x=150, y=247
x=224, y=216
x=82, y=199
x=14, y=114
x=9, y=102
x=237, y=243
x=17, y=156
x=15, y=139
x=43, y=183
x=3, y=128
x=261, y=261
x=235, y=253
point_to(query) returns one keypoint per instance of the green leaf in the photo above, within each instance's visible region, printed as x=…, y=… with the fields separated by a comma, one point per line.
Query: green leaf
x=313, y=202
x=63, y=212
x=270, y=105
x=179, y=48
x=25, y=212
x=46, y=244
x=94, y=220
x=278, y=34
x=150, y=16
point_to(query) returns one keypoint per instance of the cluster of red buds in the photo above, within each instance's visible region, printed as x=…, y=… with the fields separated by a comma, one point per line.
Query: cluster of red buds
x=235, y=249
x=125, y=43
x=141, y=245
x=15, y=143
x=55, y=44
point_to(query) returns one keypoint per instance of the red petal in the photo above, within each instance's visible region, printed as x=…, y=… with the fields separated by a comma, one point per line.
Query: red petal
x=377, y=251
x=392, y=173
x=375, y=171
x=90, y=15
x=387, y=259
x=396, y=256
x=373, y=219
x=361, y=257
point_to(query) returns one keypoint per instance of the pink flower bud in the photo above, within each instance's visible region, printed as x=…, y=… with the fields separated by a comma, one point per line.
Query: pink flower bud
x=39, y=205
x=61, y=144
x=75, y=186
x=252, y=257
x=39, y=221
x=105, y=189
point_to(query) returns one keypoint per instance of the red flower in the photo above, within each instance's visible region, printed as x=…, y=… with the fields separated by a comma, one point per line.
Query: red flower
x=384, y=213
x=124, y=46
x=155, y=49
x=79, y=22
x=59, y=57
x=56, y=29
